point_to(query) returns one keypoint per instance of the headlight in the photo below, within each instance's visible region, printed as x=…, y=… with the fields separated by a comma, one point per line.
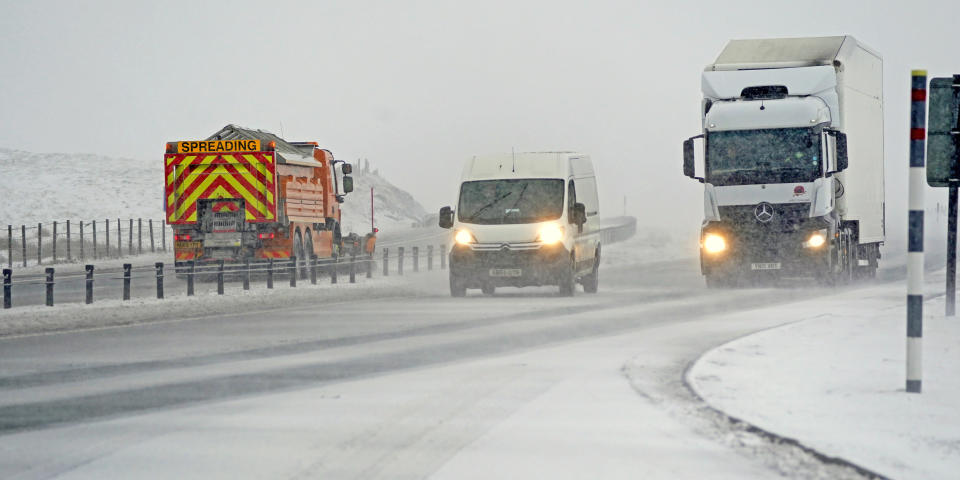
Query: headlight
x=714, y=243
x=817, y=239
x=550, y=234
x=464, y=237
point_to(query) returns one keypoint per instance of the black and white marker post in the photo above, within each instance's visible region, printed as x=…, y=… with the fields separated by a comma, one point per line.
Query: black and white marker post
x=918, y=121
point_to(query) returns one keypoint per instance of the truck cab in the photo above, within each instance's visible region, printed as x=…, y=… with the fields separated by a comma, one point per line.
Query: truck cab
x=525, y=219
x=792, y=160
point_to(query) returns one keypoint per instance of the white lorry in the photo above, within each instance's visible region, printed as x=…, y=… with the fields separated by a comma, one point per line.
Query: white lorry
x=792, y=160
x=525, y=219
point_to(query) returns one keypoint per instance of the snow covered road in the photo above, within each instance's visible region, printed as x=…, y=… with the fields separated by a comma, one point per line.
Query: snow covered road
x=523, y=384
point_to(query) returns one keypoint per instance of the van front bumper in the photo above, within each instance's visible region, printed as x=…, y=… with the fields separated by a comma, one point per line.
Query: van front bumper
x=509, y=266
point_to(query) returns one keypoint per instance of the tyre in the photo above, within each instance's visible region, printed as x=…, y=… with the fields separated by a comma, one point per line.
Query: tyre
x=567, y=281
x=488, y=289
x=457, y=288
x=298, y=251
x=307, y=255
x=592, y=281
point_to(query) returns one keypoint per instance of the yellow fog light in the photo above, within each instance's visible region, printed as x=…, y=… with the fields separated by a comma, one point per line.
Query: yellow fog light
x=816, y=240
x=550, y=234
x=714, y=243
x=464, y=237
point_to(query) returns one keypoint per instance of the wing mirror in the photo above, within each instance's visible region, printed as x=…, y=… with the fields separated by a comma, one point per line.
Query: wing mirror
x=842, y=162
x=578, y=215
x=347, y=184
x=689, y=158
x=446, y=217
x=346, y=168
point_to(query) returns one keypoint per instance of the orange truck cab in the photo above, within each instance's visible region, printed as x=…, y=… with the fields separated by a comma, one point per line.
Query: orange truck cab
x=246, y=194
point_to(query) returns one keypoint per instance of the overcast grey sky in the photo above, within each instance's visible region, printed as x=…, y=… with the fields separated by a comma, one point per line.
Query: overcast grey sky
x=417, y=87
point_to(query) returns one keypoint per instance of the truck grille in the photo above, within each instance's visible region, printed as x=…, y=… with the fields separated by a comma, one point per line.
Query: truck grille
x=787, y=217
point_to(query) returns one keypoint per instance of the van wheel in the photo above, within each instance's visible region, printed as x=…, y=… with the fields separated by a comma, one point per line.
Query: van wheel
x=567, y=281
x=592, y=281
x=457, y=288
x=488, y=289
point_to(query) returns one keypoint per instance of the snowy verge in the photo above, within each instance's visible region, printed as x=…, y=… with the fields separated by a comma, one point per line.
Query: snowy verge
x=834, y=381
x=112, y=313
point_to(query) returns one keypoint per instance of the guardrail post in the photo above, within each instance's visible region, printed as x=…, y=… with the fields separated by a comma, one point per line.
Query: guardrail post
x=416, y=259
x=94, y=226
x=130, y=238
x=443, y=257
x=246, y=274
x=54, y=238
x=82, y=257
x=191, y=274
x=400, y=261
x=333, y=269
x=39, y=244
x=220, y=277
x=68, y=241
x=313, y=269
x=159, y=267
x=119, y=241
x=293, y=270
x=370, y=261
x=126, y=281
x=9, y=246
x=49, y=286
x=23, y=243
x=386, y=262
x=270, y=273
x=353, y=266
x=7, y=287
x=153, y=247
x=429, y=257
x=139, y=236
x=89, y=296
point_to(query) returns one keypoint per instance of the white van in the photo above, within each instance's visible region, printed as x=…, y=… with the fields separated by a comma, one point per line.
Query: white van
x=525, y=219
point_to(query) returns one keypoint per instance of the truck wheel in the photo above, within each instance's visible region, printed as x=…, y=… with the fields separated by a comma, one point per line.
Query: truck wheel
x=307, y=254
x=568, y=281
x=457, y=288
x=488, y=289
x=592, y=281
x=298, y=252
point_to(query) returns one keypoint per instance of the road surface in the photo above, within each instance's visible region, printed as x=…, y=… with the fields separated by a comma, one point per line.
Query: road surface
x=524, y=384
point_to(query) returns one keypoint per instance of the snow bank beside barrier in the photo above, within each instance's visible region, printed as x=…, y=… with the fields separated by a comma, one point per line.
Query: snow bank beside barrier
x=111, y=313
x=834, y=381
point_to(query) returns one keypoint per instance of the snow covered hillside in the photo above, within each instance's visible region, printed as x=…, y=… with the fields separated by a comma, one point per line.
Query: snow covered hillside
x=42, y=187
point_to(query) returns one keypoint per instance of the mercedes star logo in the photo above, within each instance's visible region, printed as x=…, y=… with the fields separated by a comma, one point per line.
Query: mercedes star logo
x=764, y=212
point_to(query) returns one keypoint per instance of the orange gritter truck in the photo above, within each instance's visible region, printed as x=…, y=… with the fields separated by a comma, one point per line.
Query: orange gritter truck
x=246, y=194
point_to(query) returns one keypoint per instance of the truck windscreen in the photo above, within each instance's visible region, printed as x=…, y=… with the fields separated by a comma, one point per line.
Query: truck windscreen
x=494, y=202
x=776, y=155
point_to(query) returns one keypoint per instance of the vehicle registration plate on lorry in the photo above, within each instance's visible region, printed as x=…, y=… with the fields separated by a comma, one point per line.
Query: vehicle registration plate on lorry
x=765, y=266
x=505, y=272
x=188, y=245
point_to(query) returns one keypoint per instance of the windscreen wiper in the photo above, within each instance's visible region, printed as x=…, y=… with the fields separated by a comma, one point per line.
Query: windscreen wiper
x=473, y=216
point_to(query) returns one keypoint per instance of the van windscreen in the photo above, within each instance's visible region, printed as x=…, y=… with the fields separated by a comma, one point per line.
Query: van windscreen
x=494, y=202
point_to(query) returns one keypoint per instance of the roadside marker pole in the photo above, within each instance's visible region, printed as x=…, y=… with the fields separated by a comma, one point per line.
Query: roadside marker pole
x=39, y=244
x=918, y=122
x=81, y=241
x=23, y=244
x=9, y=246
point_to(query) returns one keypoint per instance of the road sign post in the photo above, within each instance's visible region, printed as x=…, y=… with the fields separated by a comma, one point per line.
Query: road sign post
x=943, y=165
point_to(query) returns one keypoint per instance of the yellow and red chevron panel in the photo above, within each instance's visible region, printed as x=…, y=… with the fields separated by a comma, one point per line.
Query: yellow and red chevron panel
x=247, y=176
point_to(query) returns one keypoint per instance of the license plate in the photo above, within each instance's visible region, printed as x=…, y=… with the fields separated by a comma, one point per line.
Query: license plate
x=188, y=245
x=505, y=272
x=765, y=266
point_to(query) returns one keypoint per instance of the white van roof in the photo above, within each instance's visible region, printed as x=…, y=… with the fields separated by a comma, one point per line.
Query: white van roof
x=526, y=165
